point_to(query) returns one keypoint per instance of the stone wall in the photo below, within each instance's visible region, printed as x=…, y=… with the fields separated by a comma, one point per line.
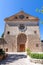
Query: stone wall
x=33, y=39
x=11, y=43
x=3, y=44
x=42, y=46
x=14, y=30
x=34, y=43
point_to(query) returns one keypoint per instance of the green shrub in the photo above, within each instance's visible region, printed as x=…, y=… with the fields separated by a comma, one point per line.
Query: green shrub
x=2, y=52
x=28, y=51
x=36, y=56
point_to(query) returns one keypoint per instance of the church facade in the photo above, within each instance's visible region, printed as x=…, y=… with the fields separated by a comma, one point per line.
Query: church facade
x=21, y=32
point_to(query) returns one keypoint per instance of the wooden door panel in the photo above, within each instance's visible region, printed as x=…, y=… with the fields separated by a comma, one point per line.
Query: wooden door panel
x=22, y=47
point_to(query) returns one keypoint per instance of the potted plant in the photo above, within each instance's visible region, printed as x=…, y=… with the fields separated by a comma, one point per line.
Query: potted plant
x=2, y=53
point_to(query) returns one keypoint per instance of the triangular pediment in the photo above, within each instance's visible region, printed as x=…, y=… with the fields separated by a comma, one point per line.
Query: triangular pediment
x=21, y=16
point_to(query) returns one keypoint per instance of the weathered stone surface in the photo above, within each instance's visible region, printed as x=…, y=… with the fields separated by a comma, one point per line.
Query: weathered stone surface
x=12, y=31
x=33, y=40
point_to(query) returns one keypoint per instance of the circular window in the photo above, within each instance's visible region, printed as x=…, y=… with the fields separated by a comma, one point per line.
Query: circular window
x=21, y=16
x=22, y=27
x=27, y=17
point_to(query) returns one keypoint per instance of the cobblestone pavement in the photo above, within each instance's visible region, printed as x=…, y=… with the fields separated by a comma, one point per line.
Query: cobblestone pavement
x=17, y=59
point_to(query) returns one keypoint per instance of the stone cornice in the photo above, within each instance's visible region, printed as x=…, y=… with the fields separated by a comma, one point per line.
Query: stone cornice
x=27, y=17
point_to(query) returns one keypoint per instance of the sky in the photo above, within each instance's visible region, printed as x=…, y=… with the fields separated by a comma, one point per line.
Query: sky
x=11, y=7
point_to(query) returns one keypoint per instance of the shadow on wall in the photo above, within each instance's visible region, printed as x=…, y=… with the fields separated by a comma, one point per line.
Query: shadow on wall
x=11, y=58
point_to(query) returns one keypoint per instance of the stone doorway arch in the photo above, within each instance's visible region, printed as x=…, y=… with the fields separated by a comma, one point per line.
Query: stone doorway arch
x=21, y=41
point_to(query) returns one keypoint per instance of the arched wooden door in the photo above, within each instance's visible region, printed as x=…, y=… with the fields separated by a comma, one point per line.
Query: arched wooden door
x=21, y=41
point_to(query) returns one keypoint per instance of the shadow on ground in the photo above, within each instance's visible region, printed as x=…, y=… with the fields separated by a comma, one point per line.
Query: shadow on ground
x=11, y=58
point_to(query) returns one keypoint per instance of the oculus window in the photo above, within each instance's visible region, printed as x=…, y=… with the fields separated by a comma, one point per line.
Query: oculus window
x=21, y=16
x=22, y=27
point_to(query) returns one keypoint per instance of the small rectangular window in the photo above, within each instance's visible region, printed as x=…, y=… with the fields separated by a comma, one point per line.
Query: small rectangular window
x=37, y=45
x=35, y=32
x=8, y=32
x=6, y=49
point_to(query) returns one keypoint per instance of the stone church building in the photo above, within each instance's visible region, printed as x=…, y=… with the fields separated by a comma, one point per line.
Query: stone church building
x=21, y=32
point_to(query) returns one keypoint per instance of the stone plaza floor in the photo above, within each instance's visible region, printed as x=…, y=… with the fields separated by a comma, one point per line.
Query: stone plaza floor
x=17, y=59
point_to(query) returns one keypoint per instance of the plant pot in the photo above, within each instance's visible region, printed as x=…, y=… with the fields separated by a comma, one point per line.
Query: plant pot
x=1, y=57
